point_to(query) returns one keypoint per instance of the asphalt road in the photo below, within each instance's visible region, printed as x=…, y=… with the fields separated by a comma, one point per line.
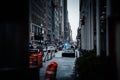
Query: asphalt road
x=65, y=69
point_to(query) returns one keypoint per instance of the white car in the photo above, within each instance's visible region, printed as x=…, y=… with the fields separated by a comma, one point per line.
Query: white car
x=45, y=49
x=51, y=48
x=68, y=53
x=68, y=50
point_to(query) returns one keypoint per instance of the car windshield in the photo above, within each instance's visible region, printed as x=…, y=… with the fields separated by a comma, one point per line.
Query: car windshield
x=69, y=49
x=50, y=46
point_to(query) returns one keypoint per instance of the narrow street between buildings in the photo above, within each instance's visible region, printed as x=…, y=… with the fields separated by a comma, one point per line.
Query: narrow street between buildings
x=65, y=69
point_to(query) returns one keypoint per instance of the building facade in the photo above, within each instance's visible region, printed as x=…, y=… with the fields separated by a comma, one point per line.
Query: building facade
x=100, y=21
x=65, y=20
x=36, y=20
x=48, y=21
x=61, y=24
x=87, y=25
x=14, y=33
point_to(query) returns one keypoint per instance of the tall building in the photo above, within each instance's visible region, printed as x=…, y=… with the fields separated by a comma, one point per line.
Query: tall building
x=100, y=21
x=65, y=20
x=87, y=25
x=61, y=26
x=52, y=21
x=93, y=25
x=61, y=21
x=14, y=33
x=36, y=20
x=49, y=20
x=70, y=33
x=55, y=30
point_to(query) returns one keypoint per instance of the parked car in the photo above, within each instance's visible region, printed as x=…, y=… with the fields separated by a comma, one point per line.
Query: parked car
x=35, y=48
x=51, y=48
x=45, y=49
x=60, y=47
x=68, y=53
x=56, y=49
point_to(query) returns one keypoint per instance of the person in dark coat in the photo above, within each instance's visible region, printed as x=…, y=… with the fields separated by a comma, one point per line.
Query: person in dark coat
x=41, y=49
x=73, y=48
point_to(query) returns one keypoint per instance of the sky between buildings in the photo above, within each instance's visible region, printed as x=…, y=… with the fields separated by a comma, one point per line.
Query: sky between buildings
x=73, y=16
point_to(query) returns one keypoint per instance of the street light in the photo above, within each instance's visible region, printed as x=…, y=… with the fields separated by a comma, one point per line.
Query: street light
x=41, y=25
x=43, y=31
x=41, y=34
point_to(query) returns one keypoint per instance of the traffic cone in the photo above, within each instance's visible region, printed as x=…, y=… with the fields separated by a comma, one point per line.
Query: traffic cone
x=55, y=65
x=50, y=72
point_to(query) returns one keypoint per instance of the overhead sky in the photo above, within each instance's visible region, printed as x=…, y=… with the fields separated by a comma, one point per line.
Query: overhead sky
x=73, y=16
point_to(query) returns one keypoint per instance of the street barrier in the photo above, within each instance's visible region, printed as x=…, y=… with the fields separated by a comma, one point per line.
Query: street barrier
x=40, y=59
x=51, y=71
x=30, y=61
x=35, y=59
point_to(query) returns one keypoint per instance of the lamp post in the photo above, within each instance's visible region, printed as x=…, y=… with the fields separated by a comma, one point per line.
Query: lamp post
x=40, y=34
x=43, y=33
x=42, y=30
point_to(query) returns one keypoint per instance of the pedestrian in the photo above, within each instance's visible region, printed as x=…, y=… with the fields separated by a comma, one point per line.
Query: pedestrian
x=41, y=49
x=73, y=48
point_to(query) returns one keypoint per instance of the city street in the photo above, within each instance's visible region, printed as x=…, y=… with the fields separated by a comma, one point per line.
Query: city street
x=65, y=69
x=91, y=28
